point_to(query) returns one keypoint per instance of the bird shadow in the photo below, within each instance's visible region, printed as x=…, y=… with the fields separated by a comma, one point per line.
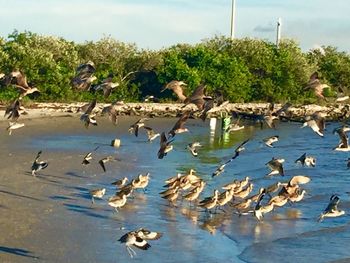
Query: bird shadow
x=17, y=251
x=60, y=197
x=20, y=195
x=85, y=210
x=74, y=174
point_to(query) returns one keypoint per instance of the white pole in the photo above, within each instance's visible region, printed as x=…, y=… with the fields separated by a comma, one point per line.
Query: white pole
x=233, y=14
x=279, y=25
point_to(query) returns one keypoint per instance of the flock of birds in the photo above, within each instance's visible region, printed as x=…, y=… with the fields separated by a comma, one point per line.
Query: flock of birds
x=236, y=197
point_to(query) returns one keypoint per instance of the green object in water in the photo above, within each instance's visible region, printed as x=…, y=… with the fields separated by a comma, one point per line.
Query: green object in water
x=225, y=123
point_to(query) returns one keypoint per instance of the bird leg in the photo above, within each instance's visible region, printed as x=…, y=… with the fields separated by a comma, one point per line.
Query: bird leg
x=131, y=252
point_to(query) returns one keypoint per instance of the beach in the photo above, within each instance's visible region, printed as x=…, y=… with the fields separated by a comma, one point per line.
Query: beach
x=50, y=217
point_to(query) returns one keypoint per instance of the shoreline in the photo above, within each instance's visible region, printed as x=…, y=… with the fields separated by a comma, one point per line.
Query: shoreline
x=333, y=112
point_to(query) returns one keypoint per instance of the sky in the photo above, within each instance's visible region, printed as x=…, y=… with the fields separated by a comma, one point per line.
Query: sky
x=156, y=24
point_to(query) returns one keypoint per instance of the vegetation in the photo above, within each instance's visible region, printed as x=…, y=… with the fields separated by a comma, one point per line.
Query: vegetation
x=243, y=70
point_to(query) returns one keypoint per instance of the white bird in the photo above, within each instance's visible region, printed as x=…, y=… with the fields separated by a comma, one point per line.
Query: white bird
x=270, y=140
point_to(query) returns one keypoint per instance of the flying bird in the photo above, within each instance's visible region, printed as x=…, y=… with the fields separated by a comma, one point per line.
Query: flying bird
x=88, y=117
x=179, y=126
x=176, y=87
x=192, y=147
x=151, y=134
x=316, y=85
x=165, y=146
x=137, y=125
x=105, y=160
x=22, y=84
x=276, y=166
x=343, y=145
x=270, y=140
x=316, y=122
x=38, y=165
x=332, y=209
x=306, y=160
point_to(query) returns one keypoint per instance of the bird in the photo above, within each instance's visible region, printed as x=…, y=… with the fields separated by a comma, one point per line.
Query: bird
x=332, y=209
x=260, y=209
x=197, y=97
x=120, y=182
x=192, y=147
x=238, y=150
x=306, y=160
x=87, y=117
x=107, y=86
x=176, y=87
x=234, y=126
x=84, y=76
x=38, y=165
x=270, y=140
x=179, y=125
x=112, y=113
x=147, y=234
x=316, y=122
x=151, y=134
x=88, y=157
x=117, y=201
x=276, y=166
x=105, y=160
x=210, y=202
x=22, y=84
x=165, y=146
x=315, y=84
x=97, y=193
x=219, y=170
x=13, y=110
x=137, y=125
x=132, y=239
x=13, y=126
x=151, y=98
x=343, y=145
x=292, y=186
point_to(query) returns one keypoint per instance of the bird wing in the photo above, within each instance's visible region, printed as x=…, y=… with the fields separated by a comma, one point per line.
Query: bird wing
x=301, y=159
x=240, y=147
x=101, y=162
x=343, y=138
x=91, y=107
x=299, y=179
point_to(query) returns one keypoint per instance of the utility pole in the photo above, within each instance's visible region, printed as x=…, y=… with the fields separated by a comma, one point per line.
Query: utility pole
x=233, y=14
x=278, y=38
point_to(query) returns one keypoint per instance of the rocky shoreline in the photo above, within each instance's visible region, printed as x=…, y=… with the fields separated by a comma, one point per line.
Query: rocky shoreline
x=333, y=112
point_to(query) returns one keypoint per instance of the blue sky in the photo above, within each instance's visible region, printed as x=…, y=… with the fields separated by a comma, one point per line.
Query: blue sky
x=160, y=23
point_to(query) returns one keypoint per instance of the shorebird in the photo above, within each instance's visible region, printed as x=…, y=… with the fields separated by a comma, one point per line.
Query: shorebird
x=21, y=83
x=87, y=117
x=275, y=166
x=292, y=185
x=219, y=170
x=244, y=192
x=278, y=200
x=332, y=209
x=112, y=113
x=316, y=122
x=297, y=196
x=88, y=157
x=141, y=181
x=83, y=78
x=117, y=201
x=13, y=126
x=97, y=193
x=151, y=134
x=260, y=209
x=270, y=140
x=13, y=110
x=179, y=126
x=137, y=125
x=192, y=147
x=315, y=84
x=176, y=87
x=132, y=239
x=273, y=188
x=38, y=165
x=306, y=160
x=120, y=182
x=210, y=202
x=105, y=160
x=234, y=126
x=343, y=145
x=165, y=146
x=245, y=204
x=171, y=197
x=107, y=86
x=193, y=195
x=147, y=234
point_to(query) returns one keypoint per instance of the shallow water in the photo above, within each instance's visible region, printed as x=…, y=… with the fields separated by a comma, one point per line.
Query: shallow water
x=89, y=233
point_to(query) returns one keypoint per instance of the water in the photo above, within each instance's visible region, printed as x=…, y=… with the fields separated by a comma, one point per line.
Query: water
x=289, y=234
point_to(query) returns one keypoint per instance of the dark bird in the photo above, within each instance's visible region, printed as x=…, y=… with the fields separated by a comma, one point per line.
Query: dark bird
x=276, y=166
x=13, y=110
x=105, y=160
x=88, y=157
x=38, y=165
x=165, y=146
x=332, y=209
x=179, y=126
x=84, y=76
x=176, y=87
x=88, y=117
x=137, y=125
x=197, y=97
x=151, y=98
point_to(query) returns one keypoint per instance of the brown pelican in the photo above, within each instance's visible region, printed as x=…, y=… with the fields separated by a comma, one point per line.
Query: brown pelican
x=107, y=86
x=197, y=97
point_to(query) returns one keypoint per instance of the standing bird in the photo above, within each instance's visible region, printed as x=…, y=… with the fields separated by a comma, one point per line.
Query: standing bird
x=165, y=146
x=270, y=140
x=192, y=147
x=87, y=117
x=137, y=125
x=179, y=126
x=176, y=87
x=97, y=193
x=120, y=182
x=332, y=209
x=276, y=166
x=38, y=165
